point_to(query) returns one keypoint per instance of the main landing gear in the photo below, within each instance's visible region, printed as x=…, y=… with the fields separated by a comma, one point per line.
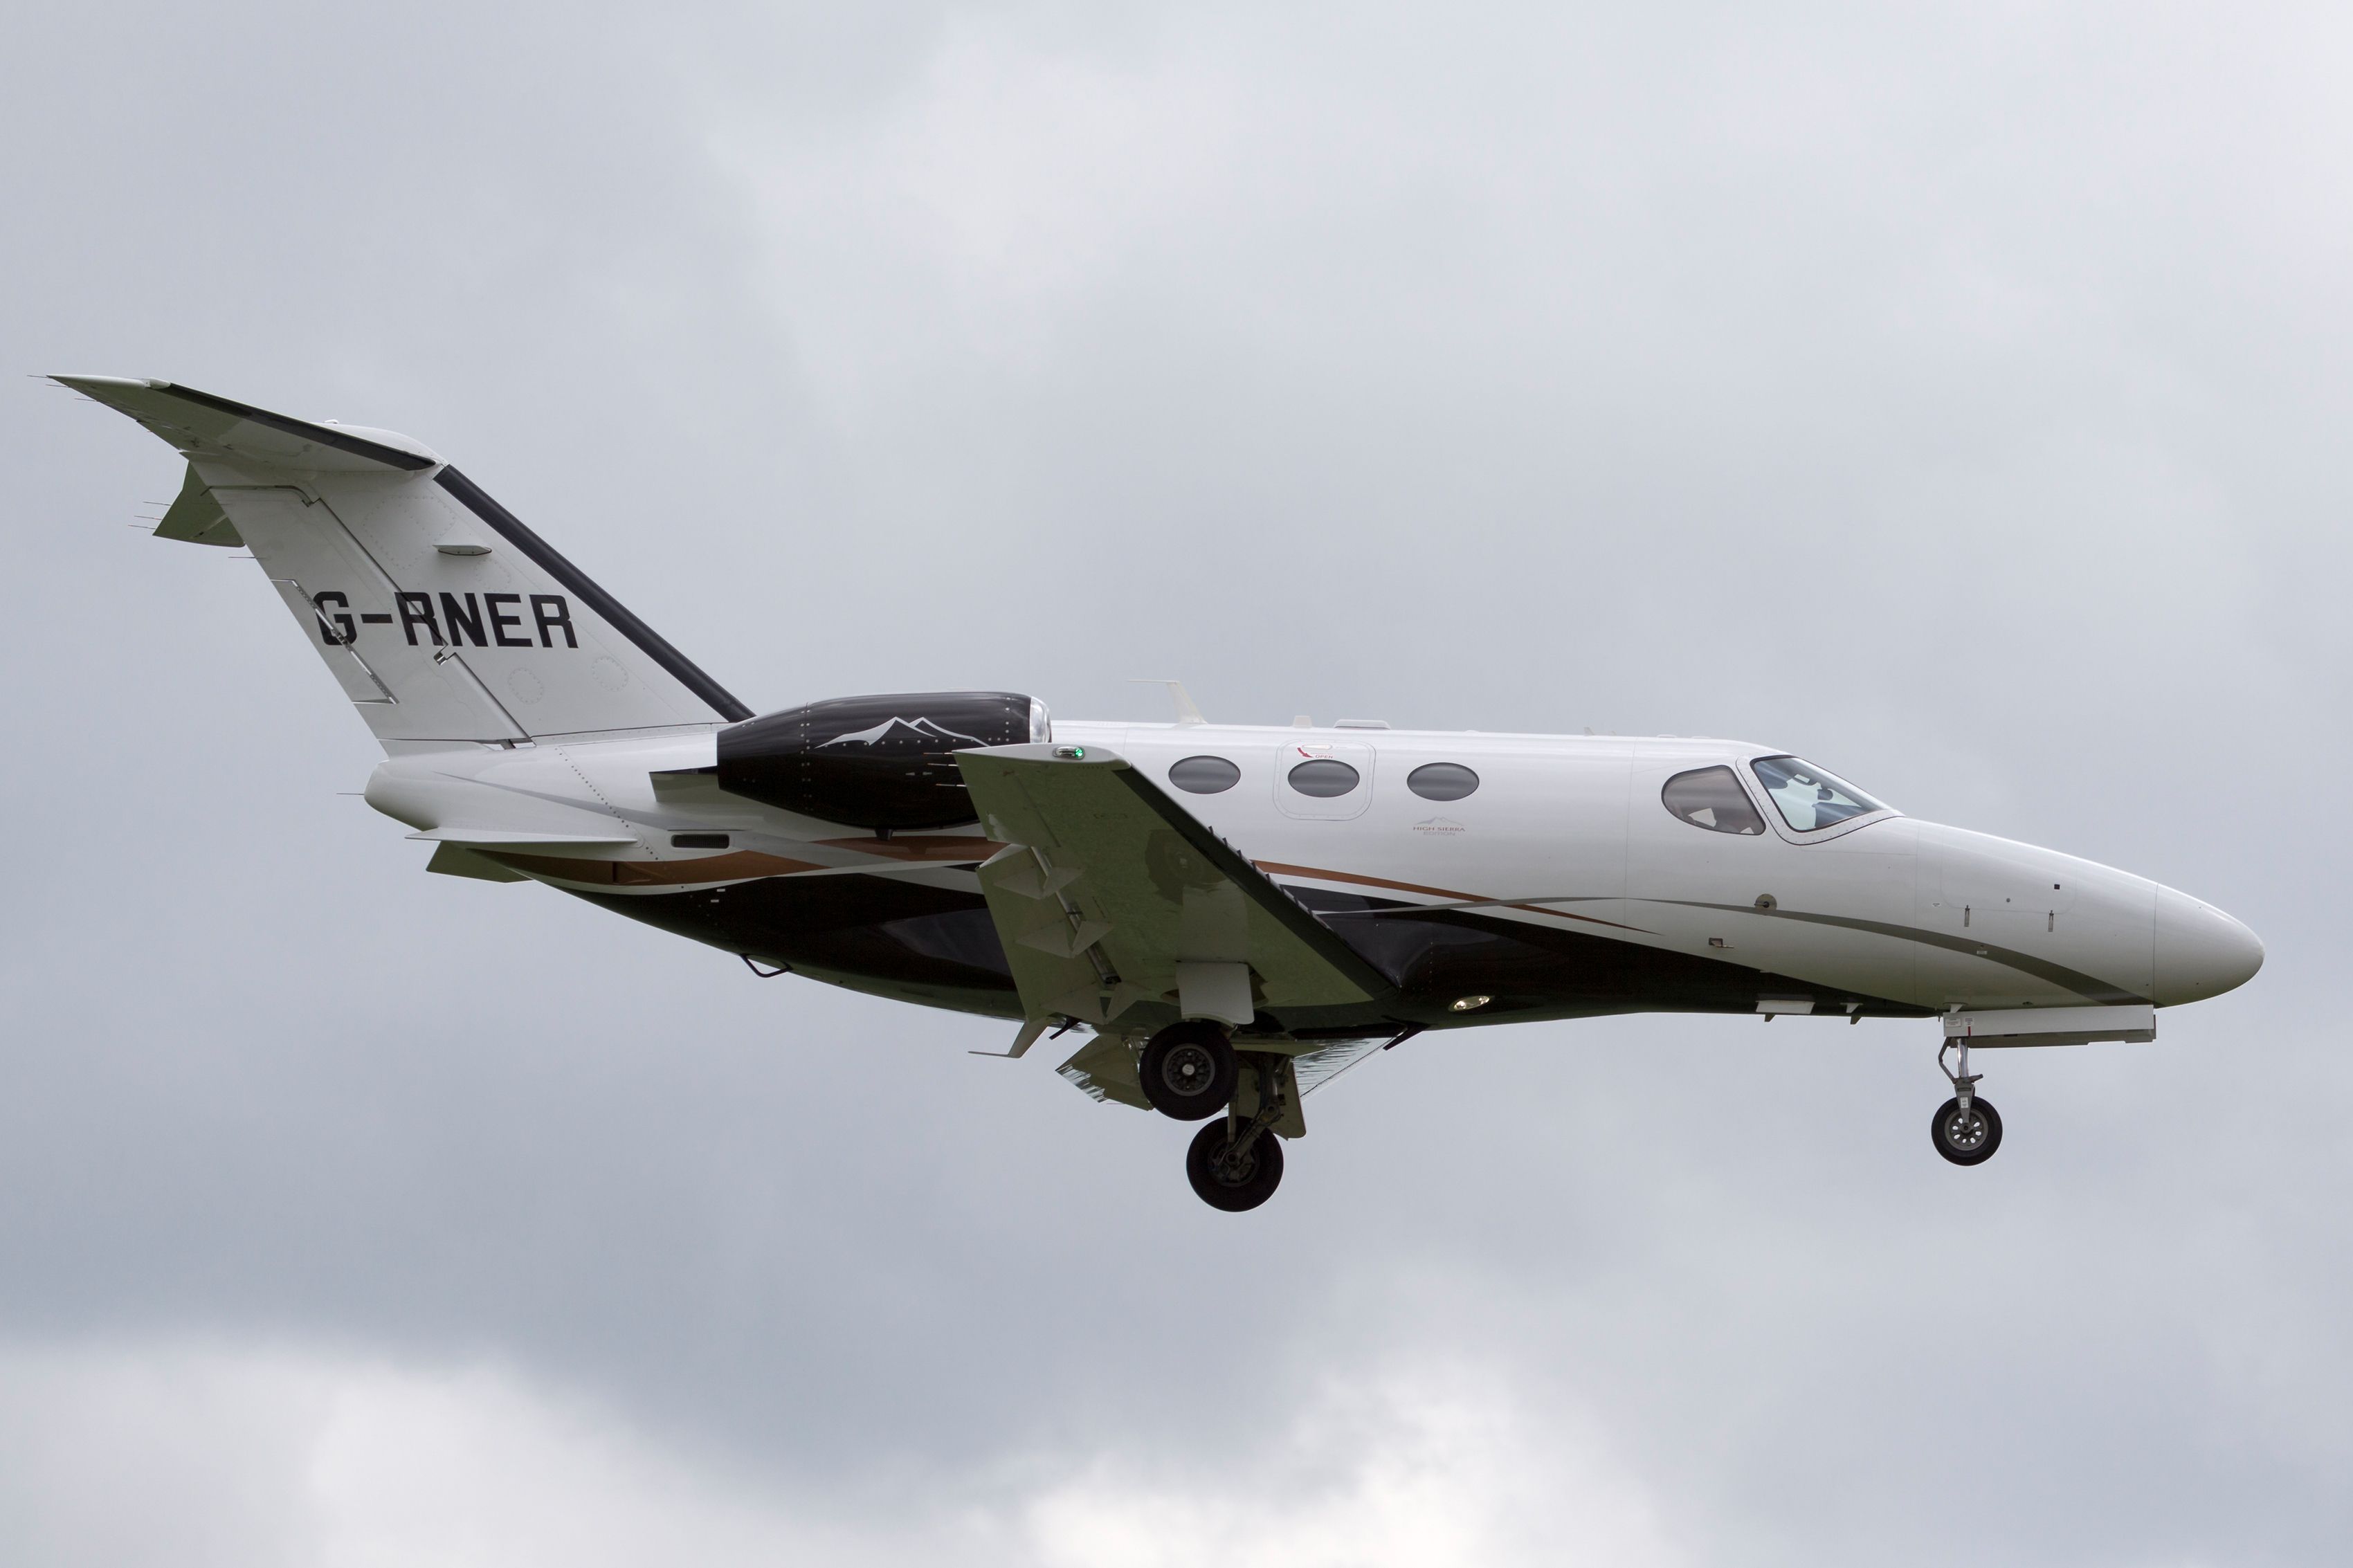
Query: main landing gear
x=1191, y=1071
x=1188, y=1071
x=1234, y=1168
x=1967, y=1129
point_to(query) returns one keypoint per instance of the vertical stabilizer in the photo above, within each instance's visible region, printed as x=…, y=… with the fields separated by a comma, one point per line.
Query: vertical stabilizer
x=439, y=615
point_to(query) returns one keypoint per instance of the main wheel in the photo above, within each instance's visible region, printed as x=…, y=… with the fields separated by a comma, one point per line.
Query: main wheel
x=1966, y=1137
x=1244, y=1184
x=1188, y=1071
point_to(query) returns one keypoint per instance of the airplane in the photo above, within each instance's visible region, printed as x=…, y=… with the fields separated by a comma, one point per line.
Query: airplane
x=1230, y=916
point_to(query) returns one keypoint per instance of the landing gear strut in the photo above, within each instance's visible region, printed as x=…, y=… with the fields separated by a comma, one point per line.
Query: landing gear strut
x=1188, y=1071
x=1967, y=1129
x=1235, y=1163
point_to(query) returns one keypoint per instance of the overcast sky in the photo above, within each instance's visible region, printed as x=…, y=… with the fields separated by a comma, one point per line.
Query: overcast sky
x=1956, y=395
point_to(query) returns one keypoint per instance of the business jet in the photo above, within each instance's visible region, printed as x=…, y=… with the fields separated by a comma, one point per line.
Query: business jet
x=1226, y=916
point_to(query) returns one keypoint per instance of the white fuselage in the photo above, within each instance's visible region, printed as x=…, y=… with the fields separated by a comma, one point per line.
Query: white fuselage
x=1561, y=834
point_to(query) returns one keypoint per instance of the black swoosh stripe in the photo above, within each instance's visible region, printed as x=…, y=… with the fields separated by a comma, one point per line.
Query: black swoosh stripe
x=2091, y=987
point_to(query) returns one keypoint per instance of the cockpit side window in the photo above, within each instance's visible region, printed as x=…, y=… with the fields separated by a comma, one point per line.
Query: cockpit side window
x=1809, y=798
x=1712, y=798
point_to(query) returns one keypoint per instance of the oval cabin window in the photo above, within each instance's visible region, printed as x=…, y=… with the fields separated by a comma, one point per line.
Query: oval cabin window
x=1205, y=775
x=1325, y=778
x=1441, y=781
x=1712, y=798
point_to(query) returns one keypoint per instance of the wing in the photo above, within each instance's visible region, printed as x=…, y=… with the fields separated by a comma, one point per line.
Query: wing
x=1109, y=894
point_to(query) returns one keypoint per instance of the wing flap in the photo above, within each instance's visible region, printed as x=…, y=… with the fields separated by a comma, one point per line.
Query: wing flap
x=1110, y=891
x=1104, y=1069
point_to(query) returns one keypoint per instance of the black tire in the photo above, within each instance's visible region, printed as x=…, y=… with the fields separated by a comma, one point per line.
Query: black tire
x=1233, y=1191
x=1188, y=1071
x=1967, y=1140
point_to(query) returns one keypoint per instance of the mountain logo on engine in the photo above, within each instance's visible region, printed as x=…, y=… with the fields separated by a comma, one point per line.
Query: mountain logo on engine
x=897, y=731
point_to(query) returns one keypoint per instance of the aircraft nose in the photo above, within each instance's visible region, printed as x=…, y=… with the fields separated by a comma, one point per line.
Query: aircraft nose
x=2201, y=951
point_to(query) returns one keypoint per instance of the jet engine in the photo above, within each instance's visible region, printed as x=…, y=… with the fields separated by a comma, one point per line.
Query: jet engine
x=883, y=763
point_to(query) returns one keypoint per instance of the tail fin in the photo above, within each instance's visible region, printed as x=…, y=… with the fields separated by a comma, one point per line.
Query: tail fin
x=441, y=615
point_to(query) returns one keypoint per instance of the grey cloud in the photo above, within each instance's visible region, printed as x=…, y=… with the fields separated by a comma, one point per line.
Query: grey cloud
x=1952, y=397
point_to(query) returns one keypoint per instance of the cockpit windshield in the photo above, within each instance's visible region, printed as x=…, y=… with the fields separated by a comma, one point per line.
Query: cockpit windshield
x=1809, y=798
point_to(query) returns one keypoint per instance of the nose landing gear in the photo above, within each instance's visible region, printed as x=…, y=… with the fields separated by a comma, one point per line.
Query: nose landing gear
x=1967, y=1129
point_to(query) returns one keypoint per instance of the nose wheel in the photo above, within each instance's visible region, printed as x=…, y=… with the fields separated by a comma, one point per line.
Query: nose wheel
x=1967, y=1129
x=1967, y=1135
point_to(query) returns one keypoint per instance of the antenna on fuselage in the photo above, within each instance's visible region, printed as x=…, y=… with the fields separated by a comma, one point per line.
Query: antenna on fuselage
x=1187, y=713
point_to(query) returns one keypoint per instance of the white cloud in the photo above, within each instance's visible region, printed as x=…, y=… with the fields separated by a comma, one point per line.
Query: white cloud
x=196, y=1456
x=966, y=214
x=1429, y=1467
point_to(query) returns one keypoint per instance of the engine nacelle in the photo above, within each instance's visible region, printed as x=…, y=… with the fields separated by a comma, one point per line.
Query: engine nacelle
x=884, y=763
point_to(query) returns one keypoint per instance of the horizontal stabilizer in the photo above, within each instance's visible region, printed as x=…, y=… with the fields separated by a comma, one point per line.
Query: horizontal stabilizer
x=201, y=422
x=455, y=860
x=504, y=838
